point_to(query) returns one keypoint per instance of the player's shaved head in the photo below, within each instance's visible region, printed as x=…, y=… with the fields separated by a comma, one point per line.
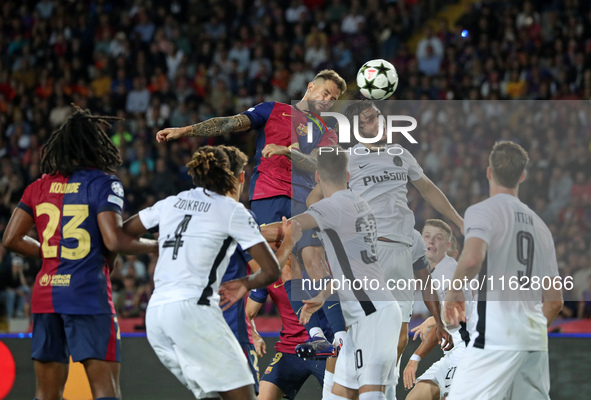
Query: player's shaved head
x=331, y=75
x=507, y=162
x=332, y=166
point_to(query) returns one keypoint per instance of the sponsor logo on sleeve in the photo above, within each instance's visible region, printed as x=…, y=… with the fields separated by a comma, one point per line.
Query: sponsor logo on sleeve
x=115, y=200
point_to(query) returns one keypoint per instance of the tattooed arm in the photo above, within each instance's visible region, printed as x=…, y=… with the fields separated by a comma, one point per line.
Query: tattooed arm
x=212, y=127
x=305, y=162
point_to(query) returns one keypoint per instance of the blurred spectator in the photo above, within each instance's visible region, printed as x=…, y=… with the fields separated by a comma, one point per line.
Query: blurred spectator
x=134, y=266
x=128, y=299
x=353, y=19
x=138, y=99
x=15, y=290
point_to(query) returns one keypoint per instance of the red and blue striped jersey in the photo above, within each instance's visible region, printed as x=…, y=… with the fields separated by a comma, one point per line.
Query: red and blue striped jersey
x=284, y=125
x=74, y=277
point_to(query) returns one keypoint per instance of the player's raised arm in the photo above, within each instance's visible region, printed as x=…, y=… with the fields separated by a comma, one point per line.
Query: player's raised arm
x=438, y=200
x=212, y=127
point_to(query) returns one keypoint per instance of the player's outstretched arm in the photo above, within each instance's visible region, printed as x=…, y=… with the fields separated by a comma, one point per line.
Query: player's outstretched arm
x=438, y=200
x=275, y=232
x=124, y=239
x=212, y=127
x=15, y=236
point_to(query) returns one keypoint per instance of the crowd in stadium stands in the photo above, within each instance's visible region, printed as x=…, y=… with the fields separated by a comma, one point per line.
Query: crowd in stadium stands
x=178, y=62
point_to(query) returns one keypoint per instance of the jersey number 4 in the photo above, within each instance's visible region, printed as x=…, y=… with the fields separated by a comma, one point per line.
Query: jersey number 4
x=78, y=212
x=177, y=242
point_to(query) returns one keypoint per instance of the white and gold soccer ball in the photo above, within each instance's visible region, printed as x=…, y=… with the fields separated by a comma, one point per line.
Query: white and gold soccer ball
x=377, y=79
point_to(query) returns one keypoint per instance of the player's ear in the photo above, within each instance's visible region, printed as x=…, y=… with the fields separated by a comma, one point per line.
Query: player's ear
x=310, y=86
x=317, y=176
x=523, y=176
x=488, y=173
x=241, y=177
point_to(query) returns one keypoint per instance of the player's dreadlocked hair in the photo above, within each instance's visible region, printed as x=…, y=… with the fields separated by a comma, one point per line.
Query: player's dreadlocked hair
x=236, y=158
x=80, y=143
x=210, y=169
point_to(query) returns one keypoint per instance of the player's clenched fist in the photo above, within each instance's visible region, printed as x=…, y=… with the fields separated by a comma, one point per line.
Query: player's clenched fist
x=171, y=134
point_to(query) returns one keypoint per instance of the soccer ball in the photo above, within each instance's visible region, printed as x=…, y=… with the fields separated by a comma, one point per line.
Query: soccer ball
x=377, y=79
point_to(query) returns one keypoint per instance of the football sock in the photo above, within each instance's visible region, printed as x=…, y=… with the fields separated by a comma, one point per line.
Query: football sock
x=316, y=332
x=328, y=384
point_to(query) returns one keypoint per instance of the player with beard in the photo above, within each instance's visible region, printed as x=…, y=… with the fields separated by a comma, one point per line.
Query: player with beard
x=277, y=190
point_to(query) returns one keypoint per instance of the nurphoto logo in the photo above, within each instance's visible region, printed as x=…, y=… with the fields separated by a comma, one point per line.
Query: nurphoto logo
x=345, y=128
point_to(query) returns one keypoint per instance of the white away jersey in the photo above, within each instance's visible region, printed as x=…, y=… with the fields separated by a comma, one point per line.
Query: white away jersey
x=418, y=250
x=348, y=233
x=198, y=235
x=381, y=179
x=520, y=247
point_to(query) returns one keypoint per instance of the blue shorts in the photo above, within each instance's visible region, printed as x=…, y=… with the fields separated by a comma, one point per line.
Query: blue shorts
x=271, y=209
x=253, y=363
x=289, y=372
x=309, y=237
x=57, y=336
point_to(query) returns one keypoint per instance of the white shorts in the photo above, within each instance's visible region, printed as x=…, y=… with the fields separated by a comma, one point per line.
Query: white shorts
x=196, y=344
x=368, y=355
x=443, y=371
x=497, y=375
x=396, y=260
